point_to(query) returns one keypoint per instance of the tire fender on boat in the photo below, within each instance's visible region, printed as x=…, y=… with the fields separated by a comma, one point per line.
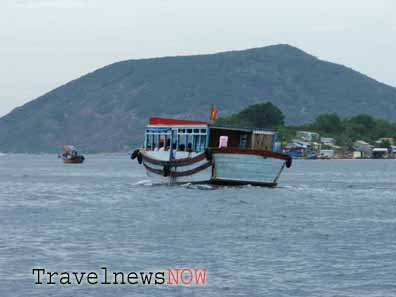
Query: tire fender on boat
x=166, y=170
x=137, y=154
x=140, y=158
x=289, y=162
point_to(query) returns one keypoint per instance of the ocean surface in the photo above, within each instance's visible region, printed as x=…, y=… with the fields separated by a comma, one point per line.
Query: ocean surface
x=329, y=229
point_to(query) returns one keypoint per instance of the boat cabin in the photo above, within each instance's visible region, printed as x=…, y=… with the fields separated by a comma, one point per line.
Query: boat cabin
x=194, y=137
x=176, y=135
x=243, y=138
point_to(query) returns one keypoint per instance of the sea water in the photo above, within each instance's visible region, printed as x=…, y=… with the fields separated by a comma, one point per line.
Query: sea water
x=328, y=229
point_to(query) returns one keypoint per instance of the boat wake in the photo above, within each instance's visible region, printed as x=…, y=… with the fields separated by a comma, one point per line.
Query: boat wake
x=144, y=182
x=198, y=186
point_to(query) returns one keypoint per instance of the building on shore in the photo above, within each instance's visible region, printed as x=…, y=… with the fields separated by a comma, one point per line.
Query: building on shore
x=308, y=136
x=380, y=153
x=327, y=140
x=329, y=149
x=392, y=151
x=362, y=150
x=386, y=140
x=306, y=145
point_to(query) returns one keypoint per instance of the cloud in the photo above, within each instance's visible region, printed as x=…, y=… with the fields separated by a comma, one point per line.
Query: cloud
x=53, y=3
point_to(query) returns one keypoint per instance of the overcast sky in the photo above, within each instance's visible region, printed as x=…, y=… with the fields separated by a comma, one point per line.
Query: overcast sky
x=46, y=43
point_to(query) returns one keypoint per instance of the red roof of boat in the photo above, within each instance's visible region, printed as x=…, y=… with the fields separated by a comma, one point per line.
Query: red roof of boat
x=162, y=121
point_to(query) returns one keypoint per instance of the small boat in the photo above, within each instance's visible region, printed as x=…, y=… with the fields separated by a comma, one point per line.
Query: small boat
x=71, y=155
x=182, y=151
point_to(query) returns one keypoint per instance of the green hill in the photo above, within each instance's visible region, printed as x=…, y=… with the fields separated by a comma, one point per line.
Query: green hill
x=106, y=110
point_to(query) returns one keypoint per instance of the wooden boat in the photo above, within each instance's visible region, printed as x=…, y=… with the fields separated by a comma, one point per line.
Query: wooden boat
x=70, y=155
x=180, y=151
x=75, y=160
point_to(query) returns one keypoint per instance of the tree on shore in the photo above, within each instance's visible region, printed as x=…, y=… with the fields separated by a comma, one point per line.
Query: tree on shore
x=328, y=123
x=261, y=115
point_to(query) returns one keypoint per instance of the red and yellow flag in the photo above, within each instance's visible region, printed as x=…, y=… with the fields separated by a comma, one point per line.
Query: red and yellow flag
x=213, y=113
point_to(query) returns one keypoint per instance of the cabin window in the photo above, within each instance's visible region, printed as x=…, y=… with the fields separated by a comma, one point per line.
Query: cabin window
x=181, y=142
x=195, y=143
x=202, y=142
x=157, y=139
x=174, y=140
x=199, y=142
x=149, y=142
x=191, y=140
x=181, y=139
x=243, y=141
x=162, y=142
x=167, y=142
x=149, y=145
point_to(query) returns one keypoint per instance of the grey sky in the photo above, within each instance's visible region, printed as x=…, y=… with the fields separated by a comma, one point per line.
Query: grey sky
x=46, y=43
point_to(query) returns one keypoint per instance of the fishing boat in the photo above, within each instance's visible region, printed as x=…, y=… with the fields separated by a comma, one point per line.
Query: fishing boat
x=71, y=155
x=183, y=151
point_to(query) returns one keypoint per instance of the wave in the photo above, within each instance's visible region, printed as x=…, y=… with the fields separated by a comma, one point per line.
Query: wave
x=145, y=182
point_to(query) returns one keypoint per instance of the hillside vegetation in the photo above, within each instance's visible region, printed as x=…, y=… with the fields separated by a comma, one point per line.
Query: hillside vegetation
x=107, y=109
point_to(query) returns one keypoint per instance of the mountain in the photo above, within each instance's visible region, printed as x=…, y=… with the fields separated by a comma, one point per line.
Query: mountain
x=106, y=110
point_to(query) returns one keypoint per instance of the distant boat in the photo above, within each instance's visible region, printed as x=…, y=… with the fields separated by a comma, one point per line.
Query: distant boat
x=70, y=155
x=180, y=151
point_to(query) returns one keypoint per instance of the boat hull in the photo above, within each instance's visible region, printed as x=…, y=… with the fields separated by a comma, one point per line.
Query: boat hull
x=218, y=166
x=197, y=169
x=243, y=169
x=78, y=160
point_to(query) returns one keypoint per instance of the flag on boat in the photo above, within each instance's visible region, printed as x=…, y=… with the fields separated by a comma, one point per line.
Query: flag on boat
x=213, y=113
